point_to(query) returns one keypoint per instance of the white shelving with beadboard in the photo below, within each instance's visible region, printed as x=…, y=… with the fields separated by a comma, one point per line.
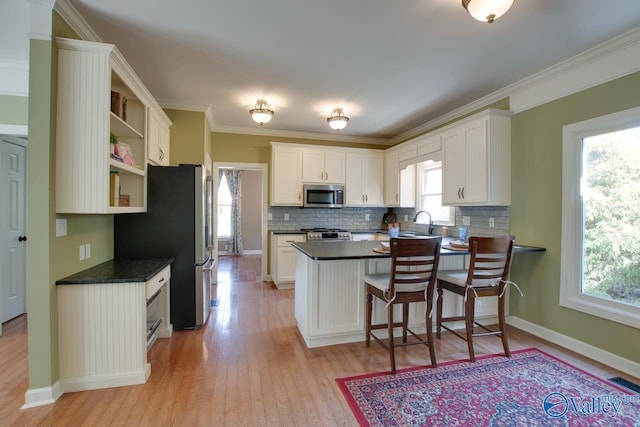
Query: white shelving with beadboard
x=87, y=73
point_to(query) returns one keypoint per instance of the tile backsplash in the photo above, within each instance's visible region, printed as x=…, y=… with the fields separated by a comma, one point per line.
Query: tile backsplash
x=355, y=219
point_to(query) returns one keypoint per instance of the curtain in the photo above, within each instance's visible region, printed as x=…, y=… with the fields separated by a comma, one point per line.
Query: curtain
x=234, y=181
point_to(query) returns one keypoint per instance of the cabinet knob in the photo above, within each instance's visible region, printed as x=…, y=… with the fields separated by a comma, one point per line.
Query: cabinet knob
x=458, y=192
x=22, y=239
x=463, y=192
x=161, y=154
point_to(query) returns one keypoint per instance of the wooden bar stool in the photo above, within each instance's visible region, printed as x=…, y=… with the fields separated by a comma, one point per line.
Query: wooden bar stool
x=488, y=275
x=414, y=268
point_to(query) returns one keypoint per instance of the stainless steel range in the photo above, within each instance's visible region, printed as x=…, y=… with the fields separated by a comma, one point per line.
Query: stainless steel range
x=327, y=234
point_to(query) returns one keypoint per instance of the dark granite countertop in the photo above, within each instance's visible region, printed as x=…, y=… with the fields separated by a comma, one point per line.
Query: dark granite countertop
x=118, y=271
x=335, y=250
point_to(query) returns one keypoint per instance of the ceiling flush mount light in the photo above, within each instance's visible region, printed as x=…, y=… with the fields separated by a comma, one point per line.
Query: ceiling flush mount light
x=261, y=112
x=487, y=10
x=337, y=120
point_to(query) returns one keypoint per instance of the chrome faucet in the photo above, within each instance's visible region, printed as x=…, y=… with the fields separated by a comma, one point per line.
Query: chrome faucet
x=415, y=219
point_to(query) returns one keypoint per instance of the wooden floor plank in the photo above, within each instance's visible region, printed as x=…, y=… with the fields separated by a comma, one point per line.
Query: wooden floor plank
x=247, y=366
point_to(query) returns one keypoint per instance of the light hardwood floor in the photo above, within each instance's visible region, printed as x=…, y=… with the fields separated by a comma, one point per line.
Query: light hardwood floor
x=247, y=367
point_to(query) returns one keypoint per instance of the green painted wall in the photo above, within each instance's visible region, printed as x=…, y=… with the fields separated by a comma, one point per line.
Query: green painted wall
x=536, y=213
x=14, y=110
x=187, y=136
x=50, y=258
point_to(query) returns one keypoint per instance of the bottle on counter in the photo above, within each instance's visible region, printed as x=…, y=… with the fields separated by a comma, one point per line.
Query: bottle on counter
x=445, y=231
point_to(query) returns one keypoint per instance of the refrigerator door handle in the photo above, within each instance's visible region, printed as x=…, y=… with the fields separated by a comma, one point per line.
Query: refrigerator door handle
x=203, y=263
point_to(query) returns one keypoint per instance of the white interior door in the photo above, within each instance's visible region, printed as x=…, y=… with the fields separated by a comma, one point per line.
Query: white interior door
x=12, y=230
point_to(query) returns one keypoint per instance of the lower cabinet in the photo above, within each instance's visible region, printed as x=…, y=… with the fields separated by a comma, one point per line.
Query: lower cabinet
x=283, y=259
x=105, y=330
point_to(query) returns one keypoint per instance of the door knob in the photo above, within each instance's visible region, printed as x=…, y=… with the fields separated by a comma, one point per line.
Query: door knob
x=22, y=239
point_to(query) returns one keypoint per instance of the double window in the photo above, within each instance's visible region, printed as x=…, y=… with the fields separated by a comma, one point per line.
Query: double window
x=600, y=270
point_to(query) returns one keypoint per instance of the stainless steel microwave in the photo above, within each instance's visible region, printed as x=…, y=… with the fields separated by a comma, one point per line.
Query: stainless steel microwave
x=323, y=196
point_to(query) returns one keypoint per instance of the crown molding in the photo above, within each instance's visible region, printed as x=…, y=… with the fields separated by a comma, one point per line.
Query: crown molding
x=302, y=135
x=14, y=78
x=72, y=17
x=180, y=105
x=40, y=19
x=607, y=61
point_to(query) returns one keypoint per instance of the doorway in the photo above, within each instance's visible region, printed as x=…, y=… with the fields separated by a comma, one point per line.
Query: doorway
x=12, y=227
x=261, y=169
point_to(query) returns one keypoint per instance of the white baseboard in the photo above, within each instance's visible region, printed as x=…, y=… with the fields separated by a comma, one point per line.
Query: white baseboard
x=614, y=361
x=42, y=396
x=247, y=252
x=94, y=382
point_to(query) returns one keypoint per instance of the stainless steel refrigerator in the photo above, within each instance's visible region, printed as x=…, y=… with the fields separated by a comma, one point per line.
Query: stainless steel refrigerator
x=177, y=224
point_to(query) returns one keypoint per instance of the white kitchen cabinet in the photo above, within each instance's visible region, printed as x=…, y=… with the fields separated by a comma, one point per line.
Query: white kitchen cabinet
x=158, y=137
x=87, y=74
x=105, y=328
x=323, y=166
x=364, y=184
x=399, y=184
x=283, y=259
x=286, y=175
x=477, y=160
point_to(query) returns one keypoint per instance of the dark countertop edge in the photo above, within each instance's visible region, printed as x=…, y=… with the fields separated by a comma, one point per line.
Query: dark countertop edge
x=371, y=254
x=118, y=271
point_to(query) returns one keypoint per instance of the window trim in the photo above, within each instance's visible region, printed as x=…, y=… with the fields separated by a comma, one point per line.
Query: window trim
x=571, y=295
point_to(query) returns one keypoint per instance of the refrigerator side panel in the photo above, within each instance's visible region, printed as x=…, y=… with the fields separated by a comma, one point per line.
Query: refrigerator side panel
x=166, y=230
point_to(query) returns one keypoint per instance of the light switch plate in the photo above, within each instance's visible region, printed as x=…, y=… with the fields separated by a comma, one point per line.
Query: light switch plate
x=270, y=216
x=367, y=217
x=466, y=220
x=82, y=253
x=61, y=227
x=286, y=217
x=87, y=251
x=492, y=222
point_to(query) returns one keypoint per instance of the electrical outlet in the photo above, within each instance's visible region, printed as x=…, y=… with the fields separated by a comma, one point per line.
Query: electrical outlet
x=366, y=217
x=466, y=220
x=61, y=227
x=406, y=218
x=492, y=222
x=270, y=216
x=286, y=217
x=87, y=251
x=82, y=253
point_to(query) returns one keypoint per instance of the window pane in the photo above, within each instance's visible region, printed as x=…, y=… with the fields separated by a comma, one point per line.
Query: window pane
x=430, y=197
x=611, y=211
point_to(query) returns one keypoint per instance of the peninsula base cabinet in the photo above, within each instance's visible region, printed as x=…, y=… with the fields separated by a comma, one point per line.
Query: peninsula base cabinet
x=330, y=298
x=105, y=329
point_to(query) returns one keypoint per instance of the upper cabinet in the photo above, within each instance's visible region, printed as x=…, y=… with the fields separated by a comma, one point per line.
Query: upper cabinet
x=364, y=179
x=286, y=175
x=399, y=184
x=100, y=100
x=477, y=160
x=321, y=166
x=158, y=137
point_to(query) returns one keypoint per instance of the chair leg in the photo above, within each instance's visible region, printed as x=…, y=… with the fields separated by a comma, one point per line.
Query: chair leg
x=367, y=341
x=439, y=312
x=405, y=321
x=392, y=354
x=469, y=313
x=501, y=323
x=432, y=350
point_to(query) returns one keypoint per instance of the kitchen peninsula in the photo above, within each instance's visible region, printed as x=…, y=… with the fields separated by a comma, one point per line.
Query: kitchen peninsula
x=329, y=291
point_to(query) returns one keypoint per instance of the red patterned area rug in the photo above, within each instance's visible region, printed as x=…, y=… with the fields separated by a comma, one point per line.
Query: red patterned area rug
x=531, y=388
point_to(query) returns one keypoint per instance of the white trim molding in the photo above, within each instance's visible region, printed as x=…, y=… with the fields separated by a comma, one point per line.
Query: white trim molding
x=41, y=19
x=610, y=60
x=14, y=130
x=571, y=295
x=612, y=360
x=42, y=396
x=14, y=78
x=72, y=17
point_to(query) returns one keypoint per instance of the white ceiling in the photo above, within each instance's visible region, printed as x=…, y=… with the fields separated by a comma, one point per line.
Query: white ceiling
x=392, y=65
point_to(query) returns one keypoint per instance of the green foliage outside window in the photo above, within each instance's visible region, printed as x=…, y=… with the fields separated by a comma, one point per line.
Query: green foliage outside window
x=611, y=197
